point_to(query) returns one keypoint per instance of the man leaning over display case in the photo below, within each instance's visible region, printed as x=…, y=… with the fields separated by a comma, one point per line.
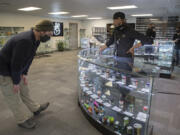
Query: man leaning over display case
x=15, y=59
x=123, y=39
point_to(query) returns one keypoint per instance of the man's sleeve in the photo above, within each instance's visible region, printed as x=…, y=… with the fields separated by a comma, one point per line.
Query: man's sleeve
x=110, y=41
x=139, y=36
x=20, y=54
x=25, y=72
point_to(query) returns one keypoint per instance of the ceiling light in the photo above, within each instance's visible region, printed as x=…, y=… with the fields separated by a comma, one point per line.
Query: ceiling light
x=76, y=16
x=137, y=15
x=95, y=18
x=123, y=7
x=58, y=13
x=154, y=19
x=29, y=8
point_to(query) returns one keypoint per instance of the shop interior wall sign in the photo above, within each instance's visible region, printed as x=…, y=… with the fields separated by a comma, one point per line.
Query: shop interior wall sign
x=58, y=29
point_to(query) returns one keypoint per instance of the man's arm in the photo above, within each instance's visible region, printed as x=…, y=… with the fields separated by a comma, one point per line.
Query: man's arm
x=108, y=43
x=139, y=36
x=20, y=54
x=131, y=50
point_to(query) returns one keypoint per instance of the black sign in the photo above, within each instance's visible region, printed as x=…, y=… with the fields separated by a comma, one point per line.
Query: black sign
x=58, y=29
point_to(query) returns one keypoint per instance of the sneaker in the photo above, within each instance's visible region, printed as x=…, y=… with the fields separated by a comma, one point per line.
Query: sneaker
x=28, y=124
x=42, y=107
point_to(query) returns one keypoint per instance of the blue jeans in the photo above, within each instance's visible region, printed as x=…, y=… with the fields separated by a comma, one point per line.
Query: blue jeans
x=124, y=63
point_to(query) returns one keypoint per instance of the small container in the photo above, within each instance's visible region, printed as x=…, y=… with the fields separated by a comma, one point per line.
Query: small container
x=137, y=129
x=123, y=79
x=131, y=108
x=96, y=110
x=90, y=110
x=126, y=121
x=129, y=130
x=134, y=82
x=100, y=115
x=147, y=86
x=104, y=120
x=145, y=109
x=121, y=104
x=113, y=77
x=107, y=73
x=96, y=104
x=99, y=93
x=86, y=105
x=111, y=120
x=116, y=125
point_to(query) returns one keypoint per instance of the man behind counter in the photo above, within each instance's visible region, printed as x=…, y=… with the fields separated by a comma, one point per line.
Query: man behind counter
x=123, y=37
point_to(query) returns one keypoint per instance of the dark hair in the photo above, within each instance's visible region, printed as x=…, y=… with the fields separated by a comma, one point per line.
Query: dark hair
x=120, y=15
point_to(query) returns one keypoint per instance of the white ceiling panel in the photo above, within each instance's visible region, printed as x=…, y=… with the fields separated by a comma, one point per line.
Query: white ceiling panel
x=93, y=8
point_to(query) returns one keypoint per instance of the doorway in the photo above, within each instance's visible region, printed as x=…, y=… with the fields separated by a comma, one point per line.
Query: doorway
x=73, y=35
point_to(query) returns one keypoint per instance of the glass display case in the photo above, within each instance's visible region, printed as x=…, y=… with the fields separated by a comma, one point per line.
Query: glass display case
x=166, y=55
x=161, y=55
x=115, y=100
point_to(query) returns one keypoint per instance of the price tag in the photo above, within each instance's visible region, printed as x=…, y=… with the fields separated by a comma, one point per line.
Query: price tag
x=133, y=86
x=98, y=73
x=128, y=114
x=117, y=133
x=99, y=100
x=104, y=76
x=85, y=89
x=89, y=92
x=120, y=83
x=117, y=109
x=141, y=119
x=82, y=85
x=94, y=96
x=142, y=115
x=107, y=104
x=145, y=90
x=111, y=79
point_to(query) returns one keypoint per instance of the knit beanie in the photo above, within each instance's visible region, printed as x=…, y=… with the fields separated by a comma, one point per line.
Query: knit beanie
x=44, y=25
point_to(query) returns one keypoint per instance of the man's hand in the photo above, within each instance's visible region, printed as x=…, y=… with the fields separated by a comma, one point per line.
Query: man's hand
x=24, y=78
x=102, y=48
x=131, y=50
x=176, y=40
x=16, y=88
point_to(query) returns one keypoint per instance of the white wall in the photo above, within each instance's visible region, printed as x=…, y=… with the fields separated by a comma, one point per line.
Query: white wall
x=28, y=21
x=89, y=24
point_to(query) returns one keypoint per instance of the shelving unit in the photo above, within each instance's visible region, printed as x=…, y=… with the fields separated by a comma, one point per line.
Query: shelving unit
x=165, y=27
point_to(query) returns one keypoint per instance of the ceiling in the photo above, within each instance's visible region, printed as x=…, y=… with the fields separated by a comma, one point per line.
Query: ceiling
x=92, y=8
